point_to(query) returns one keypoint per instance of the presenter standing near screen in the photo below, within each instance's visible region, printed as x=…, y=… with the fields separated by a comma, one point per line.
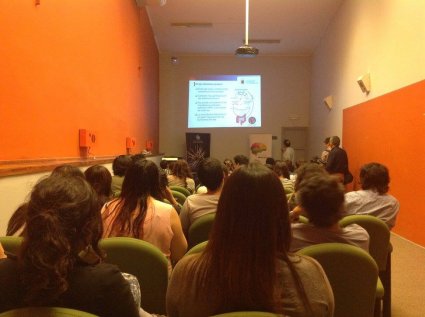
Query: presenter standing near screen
x=288, y=153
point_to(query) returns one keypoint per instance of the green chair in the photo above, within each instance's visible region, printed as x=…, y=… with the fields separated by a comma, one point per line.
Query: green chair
x=197, y=248
x=45, y=312
x=181, y=198
x=146, y=262
x=379, y=246
x=248, y=314
x=181, y=189
x=353, y=275
x=199, y=230
x=11, y=244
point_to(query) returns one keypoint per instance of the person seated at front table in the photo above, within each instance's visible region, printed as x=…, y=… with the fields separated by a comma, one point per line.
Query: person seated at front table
x=211, y=175
x=59, y=263
x=181, y=175
x=321, y=198
x=373, y=199
x=246, y=266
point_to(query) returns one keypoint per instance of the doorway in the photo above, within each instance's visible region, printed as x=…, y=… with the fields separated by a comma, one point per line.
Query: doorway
x=299, y=139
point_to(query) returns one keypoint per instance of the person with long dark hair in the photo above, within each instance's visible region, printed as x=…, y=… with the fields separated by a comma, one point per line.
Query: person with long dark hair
x=181, y=175
x=100, y=179
x=246, y=265
x=59, y=263
x=138, y=213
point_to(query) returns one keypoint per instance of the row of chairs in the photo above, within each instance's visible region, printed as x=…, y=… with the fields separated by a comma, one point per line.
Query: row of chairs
x=138, y=257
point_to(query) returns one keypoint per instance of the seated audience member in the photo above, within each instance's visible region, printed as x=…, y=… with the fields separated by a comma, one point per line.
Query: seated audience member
x=137, y=214
x=246, y=266
x=181, y=175
x=59, y=263
x=282, y=171
x=100, y=179
x=2, y=254
x=164, y=166
x=229, y=164
x=165, y=193
x=303, y=172
x=67, y=170
x=210, y=173
x=321, y=197
x=119, y=166
x=373, y=199
x=240, y=160
x=16, y=224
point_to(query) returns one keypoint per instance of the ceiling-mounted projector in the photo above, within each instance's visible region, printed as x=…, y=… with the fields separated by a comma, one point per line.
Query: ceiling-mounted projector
x=246, y=51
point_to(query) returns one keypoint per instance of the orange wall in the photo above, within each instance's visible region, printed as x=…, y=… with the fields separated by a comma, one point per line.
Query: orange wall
x=71, y=64
x=391, y=130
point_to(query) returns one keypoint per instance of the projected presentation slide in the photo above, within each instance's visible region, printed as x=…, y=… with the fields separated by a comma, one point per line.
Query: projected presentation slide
x=225, y=101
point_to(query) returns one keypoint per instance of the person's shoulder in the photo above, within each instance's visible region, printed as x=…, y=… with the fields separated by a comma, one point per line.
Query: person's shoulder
x=162, y=206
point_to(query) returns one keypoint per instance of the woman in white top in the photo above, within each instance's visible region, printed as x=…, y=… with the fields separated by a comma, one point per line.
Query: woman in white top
x=138, y=214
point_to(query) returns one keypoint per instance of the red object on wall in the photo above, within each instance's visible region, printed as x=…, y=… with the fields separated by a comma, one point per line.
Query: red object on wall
x=87, y=138
x=390, y=130
x=130, y=142
x=149, y=145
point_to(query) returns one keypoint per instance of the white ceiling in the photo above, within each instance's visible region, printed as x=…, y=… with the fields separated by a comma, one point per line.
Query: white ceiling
x=298, y=24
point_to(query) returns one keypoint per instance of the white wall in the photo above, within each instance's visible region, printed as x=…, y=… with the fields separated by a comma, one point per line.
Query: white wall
x=285, y=93
x=383, y=37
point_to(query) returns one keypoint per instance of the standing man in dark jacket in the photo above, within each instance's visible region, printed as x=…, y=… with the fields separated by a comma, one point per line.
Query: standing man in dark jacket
x=337, y=160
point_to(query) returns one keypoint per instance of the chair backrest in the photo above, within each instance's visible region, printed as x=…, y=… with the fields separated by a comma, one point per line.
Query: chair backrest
x=199, y=230
x=45, y=312
x=181, y=198
x=197, y=248
x=11, y=244
x=379, y=236
x=353, y=276
x=181, y=189
x=146, y=262
x=248, y=314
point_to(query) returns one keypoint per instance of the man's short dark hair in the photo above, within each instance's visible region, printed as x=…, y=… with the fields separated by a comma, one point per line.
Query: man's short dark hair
x=334, y=140
x=322, y=198
x=375, y=176
x=210, y=173
x=241, y=159
x=286, y=142
x=120, y=164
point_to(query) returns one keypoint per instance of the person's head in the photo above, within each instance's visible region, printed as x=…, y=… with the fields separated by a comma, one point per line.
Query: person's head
x=334, y=141
x=67, y=170
x=307, y=170
x=163, y=164
x=62, y=219
x=141, y=180
x=100, y=179
x=281, y=169
x=138, y=157
x=322, y=198
x=121, y=164
x=375, y=176
x=270, y=161
x=181, y=169
x=210, y=173
x=229, y=164
x=326, y=141
x=250, y=232
x=286, y=143
x=240, y=160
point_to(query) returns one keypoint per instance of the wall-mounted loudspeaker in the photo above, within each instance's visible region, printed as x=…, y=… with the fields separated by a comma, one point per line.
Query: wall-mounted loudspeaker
x=364, y=83
x=329, y=102
x=142, y=3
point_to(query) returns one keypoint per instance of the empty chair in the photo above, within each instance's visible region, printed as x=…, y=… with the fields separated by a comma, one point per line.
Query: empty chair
x=353, y=275
x=45, y=312
x=181, y=189
x=146, y=262
x=379, y=246
x=199, y=230
x=11, y=244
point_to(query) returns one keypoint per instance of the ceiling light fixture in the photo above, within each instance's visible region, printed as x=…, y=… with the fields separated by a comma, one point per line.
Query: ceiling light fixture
x=246, y=50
